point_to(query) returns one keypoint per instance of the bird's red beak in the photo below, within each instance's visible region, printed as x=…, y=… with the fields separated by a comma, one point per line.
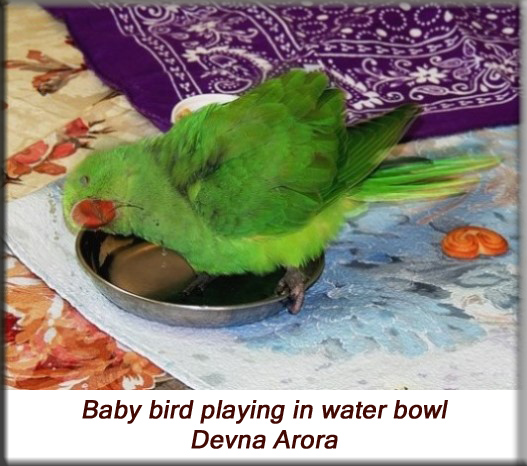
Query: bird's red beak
x=93, y=213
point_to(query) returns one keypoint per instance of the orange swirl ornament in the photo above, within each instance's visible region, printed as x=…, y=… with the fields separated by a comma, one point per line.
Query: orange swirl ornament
x=470, y=242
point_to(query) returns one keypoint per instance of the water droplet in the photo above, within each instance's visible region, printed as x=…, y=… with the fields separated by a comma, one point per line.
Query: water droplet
x=163, y=252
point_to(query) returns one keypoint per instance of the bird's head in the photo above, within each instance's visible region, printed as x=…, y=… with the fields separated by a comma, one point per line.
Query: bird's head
x=96, y=191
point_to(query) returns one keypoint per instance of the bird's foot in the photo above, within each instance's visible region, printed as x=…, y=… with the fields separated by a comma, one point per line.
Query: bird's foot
x=293, y=285
x=199, y=283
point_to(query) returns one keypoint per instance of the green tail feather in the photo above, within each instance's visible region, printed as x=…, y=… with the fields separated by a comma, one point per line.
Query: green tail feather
x=422, y=179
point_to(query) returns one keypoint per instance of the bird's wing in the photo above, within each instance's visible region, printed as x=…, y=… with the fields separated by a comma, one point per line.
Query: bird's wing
x=268, y=162
x=203, y=141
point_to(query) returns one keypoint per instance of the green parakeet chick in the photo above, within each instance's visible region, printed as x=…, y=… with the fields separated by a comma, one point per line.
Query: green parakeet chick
x=261, y=182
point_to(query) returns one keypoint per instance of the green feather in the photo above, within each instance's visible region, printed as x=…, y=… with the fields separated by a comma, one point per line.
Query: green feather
x=263, y=181
x=423, y=180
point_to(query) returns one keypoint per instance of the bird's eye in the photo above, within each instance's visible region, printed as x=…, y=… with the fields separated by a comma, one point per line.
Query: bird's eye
x=85, y=181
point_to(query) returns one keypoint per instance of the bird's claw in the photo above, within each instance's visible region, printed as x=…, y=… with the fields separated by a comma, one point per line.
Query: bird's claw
x=293, y=286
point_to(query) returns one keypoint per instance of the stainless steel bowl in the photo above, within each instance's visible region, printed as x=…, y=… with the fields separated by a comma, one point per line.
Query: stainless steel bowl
x=147, y=281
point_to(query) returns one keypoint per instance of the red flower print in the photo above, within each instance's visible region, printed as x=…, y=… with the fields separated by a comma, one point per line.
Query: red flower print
x=76, y=128
x=77, y=356
x=14, y=169
x=52, y=81
x=40, y=158
x=62, y=149
x=19, y=163
x=56, y=74
x=11, y=327
x=8, y=64
x=31, y=154
x=48, y=82
x=50, y=168
x=38, y=56
x=40, y=62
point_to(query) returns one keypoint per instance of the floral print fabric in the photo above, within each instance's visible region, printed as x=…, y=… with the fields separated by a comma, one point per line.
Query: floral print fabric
x=57, y=113
x=49, y=345
x=459, y=62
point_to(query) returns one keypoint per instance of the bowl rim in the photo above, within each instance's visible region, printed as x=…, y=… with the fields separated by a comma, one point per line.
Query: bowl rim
x=190, y=307
x=212, y=98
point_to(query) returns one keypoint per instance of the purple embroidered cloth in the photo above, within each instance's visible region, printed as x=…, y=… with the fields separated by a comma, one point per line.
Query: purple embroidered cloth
x=459, y=62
